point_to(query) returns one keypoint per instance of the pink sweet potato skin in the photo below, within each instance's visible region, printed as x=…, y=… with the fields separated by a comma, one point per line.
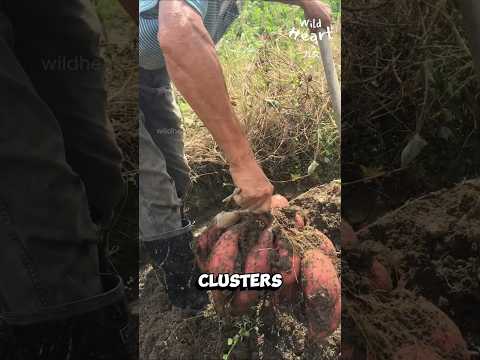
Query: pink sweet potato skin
x=446, y=336
x=222, y=261
x=288, y=264
x=322, y=293
x=299, y=220
x=256, y=261
x=204, y=244
x=379, y=276
x=325, y=244
x=348, y=237
x=279, y=201
x=289, y=292
x=444, y=342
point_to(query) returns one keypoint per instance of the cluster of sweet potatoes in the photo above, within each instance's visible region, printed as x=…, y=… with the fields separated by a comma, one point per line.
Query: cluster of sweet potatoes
x=440, y=339
x=239, y=243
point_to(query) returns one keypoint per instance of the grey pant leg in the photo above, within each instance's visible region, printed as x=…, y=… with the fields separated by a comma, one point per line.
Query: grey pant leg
x=49, y=241
x=159, y=213
x=163, y=122
x=68, y=73
x=164, y=173
x=471, y=14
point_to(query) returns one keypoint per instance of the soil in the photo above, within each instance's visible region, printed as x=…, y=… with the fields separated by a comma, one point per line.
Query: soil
x=431, y=249
x=168, y=333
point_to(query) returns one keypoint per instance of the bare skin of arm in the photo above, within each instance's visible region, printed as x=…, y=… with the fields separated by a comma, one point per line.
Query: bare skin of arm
x=194, y=68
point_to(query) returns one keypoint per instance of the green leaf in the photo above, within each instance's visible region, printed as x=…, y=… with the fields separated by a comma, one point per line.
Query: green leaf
x=230, y=342
x=295, y=177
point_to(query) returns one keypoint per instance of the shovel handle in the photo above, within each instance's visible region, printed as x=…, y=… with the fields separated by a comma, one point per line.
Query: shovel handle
x=331, y=75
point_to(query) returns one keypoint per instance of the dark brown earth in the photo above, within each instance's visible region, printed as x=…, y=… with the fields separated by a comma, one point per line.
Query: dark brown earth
x=431, y=249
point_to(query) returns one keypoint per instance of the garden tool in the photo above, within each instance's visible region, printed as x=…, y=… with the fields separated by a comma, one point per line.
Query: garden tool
x=330, y=74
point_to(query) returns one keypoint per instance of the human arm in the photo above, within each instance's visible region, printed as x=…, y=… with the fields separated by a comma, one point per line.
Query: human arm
x=195, y=69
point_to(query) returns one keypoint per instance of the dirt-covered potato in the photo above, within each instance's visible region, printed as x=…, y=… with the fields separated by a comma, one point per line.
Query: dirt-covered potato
x=286, y=244
x=322, y=292
x=222, y=261
x=257, y=261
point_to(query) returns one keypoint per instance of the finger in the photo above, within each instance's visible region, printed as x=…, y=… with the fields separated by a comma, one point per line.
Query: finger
x=243, y=202
x=262, y=207
x=231, y=196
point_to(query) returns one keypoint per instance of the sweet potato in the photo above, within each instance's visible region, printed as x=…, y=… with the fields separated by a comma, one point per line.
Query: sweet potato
x=445, y=339
x=325, y=244
x=204, y=244
x=299, y=220
x=222, y=261
x=287, y=264
x=321, y=289
x=379, y=276
x=279, y=201
x=256, y=261
x=446, y=336
x=291, y=281
x=348, y=237
x=288, y=293
x=416, y=352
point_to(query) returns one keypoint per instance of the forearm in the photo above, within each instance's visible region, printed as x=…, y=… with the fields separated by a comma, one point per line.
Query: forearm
x=300, y=3
x=194, y=68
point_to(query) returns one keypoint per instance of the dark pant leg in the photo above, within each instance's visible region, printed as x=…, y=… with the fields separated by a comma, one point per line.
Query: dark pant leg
x=471, y=14
x=49, y=242
x=57, y=43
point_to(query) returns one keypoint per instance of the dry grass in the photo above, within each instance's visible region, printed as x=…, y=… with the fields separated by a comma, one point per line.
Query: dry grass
x=283, y=103
x=409, y=70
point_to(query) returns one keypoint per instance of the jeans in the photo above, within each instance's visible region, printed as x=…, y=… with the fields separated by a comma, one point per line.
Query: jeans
x=164, y=172
x=60, y=165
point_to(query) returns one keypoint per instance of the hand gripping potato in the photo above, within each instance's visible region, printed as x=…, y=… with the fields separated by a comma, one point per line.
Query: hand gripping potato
x=311, y=272
x=205, y=242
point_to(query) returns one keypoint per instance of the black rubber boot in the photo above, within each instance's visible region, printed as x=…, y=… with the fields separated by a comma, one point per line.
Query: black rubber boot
x=106, y=334
x=174, y=256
